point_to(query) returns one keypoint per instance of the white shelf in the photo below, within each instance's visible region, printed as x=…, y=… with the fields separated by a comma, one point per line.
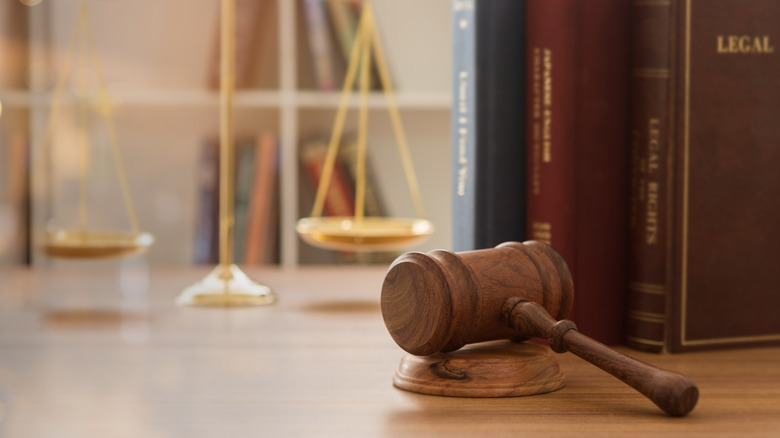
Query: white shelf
x=243, y=99
x=434, y=101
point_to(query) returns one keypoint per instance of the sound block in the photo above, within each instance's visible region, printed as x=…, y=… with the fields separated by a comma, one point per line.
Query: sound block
x=489, y=369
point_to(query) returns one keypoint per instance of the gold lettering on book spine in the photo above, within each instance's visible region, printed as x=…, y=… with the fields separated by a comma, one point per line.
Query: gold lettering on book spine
x=463, y=131
x=651, y=167
x=541, y=231
x=536, y=119
x=547, y=110
x=743, y=44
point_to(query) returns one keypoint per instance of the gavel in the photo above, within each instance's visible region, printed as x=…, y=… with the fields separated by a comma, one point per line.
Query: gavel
x=440, y=301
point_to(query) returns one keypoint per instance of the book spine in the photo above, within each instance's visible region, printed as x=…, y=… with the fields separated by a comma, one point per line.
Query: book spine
x=347, y=156
x=489, y=123
x=244, y=167
x=248, y=22
x=319, y=44
x=344, y=25
x=464, y=205
x=339, y=199
x=551, y=135
x=601, y=229
x=14, y=199
x=649, y=184
x=344, y=16
x=261, y=208
x=206, y=228
x=13, y=51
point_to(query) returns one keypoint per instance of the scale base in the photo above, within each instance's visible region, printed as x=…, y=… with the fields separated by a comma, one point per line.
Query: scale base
x=226, y=286
x=490, y=369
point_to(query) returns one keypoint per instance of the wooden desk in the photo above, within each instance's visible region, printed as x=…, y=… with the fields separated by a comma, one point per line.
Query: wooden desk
x=105, y=353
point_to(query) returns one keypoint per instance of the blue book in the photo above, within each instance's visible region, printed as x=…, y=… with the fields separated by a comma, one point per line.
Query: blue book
x=488, y=123
x=206, y=230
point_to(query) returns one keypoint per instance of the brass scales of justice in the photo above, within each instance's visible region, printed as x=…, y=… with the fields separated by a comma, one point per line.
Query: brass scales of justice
x=362, y=233
x=227, y=285
x=85, y=242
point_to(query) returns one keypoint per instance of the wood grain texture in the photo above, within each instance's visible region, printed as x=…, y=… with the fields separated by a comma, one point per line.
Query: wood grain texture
x=318, y=363
x=488, y=369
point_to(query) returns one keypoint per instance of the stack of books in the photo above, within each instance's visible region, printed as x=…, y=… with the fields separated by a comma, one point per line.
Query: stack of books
x=646, y=138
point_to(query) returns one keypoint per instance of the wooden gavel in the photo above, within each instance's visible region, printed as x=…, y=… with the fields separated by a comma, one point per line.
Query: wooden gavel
x=440, y=301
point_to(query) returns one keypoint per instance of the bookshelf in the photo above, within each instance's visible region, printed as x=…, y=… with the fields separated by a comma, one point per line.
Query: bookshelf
x=157, y=76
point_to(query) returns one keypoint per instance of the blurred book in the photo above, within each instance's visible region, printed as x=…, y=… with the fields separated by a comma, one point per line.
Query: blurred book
x=320, y=44
x=256, y=202
x=252, y=17
x=344, y=16
x=340, y=196
x=14, y=51
x=14, y=199
x=262, y=229
x=206, y=242
x=242, y=193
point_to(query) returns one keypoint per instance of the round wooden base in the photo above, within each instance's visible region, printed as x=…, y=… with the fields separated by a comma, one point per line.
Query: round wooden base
x=490, y=369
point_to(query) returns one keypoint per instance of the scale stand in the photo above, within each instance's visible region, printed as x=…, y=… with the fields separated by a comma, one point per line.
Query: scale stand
x=491, y=369
x=226, y=285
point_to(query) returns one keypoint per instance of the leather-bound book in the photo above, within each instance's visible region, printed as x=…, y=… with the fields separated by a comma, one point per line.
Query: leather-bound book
x=705, y=174
x=577, y=159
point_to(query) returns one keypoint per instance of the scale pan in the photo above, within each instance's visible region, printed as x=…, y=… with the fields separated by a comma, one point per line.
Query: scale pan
x=345, y=233
x=72, y=244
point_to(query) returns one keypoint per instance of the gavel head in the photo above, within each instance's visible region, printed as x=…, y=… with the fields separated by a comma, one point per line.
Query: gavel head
x=441, y=301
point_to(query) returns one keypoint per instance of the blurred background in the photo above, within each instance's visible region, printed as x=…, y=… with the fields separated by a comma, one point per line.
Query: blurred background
x=159, y=62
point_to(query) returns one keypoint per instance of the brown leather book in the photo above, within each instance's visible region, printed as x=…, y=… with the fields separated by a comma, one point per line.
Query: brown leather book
x=705, y=174
x=577, y=88
x=262, y=221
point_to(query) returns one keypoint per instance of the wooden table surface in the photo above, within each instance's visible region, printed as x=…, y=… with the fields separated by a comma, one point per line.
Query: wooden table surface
x=102, y=351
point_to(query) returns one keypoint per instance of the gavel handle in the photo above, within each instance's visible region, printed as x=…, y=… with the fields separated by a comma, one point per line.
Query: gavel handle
x=673, y=393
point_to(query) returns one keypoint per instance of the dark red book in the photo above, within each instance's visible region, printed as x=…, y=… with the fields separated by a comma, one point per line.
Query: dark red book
x=263, y=211
x=705, y=185
x=339, y=198
x=577, y=159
